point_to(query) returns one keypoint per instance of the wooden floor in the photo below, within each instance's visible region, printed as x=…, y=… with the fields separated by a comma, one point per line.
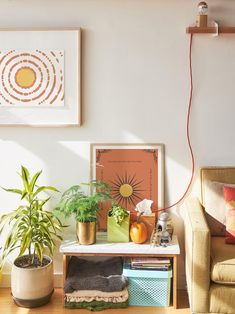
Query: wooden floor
x=7, y=306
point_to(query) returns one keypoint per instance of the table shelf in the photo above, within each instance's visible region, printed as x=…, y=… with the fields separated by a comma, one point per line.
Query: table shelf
x=71, y=247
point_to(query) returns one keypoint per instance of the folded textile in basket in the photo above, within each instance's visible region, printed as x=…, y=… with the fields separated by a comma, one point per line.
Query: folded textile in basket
x=89, y=275
x=96, y=305
x=95, y=295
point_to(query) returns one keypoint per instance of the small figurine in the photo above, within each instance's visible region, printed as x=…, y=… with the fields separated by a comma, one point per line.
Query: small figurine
x=165, y=224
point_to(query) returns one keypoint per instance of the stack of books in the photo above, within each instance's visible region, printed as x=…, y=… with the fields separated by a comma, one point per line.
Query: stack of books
x=151, y=263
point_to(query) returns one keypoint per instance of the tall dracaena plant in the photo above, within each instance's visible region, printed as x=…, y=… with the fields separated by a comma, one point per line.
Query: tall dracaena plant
x=31, y=227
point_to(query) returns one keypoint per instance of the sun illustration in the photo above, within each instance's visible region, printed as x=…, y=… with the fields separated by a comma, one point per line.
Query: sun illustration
x=126, y=189
x=25, y=77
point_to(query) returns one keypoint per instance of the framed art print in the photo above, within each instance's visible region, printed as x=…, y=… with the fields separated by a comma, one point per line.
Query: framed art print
x=134, y=172
x=40, y=77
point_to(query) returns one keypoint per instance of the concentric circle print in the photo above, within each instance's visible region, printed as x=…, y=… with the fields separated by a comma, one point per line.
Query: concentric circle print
x=32, y=78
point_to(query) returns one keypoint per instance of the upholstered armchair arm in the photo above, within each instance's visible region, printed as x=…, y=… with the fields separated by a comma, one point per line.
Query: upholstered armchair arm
x=197, y=252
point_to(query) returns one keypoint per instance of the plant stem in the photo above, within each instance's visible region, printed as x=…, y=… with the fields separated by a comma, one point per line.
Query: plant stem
x=33, y=258
x=138, y=217
x=30, y=224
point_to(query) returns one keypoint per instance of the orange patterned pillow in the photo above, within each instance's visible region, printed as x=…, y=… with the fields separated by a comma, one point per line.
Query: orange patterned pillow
x=229, y=196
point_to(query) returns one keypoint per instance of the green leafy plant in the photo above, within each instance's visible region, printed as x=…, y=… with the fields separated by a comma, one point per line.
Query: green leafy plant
x=84, y=206
x=31, y=227
x=119, y=213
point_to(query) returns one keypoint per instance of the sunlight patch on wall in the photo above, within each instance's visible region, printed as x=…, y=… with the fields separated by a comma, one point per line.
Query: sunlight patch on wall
x=81, y=149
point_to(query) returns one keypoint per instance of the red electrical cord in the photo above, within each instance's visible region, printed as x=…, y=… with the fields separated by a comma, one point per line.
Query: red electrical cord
x=187, y=128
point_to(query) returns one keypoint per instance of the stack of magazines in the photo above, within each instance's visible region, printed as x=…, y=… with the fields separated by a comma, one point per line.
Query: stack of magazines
x=151, y=263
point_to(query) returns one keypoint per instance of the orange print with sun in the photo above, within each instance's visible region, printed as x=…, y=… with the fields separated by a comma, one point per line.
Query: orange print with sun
x=132, y=174
x=32, y=78
x=126, y=189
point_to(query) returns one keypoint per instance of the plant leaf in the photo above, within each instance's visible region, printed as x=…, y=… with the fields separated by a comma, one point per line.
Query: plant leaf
x=26, y=239
x=44, y=188
x=34, y=180
x=25, y=177
x=18, y=191
x=24, y=194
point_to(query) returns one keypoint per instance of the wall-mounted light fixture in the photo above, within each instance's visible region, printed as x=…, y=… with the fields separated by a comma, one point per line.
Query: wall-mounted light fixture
x=202, y=14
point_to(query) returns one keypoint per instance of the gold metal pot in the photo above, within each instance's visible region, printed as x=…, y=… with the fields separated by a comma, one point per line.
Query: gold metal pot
x=86, y=232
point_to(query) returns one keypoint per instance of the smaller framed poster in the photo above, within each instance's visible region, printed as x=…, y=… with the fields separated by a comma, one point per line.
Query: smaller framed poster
x=134, y=172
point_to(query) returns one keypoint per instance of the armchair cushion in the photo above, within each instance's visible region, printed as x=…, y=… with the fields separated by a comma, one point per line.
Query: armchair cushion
x=215, y=206
x=229, y=196
x=222, y=299
x=223, y=261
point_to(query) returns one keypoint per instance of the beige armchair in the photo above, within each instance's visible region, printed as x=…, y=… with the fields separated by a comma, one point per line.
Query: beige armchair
x=210, y=263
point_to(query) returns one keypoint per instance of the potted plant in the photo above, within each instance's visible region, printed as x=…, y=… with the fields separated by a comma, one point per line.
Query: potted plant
x=85, y=207
x=118, y=224
x=32, y=229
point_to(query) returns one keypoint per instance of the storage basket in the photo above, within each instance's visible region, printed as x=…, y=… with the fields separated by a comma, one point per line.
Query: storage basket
x=148, y=287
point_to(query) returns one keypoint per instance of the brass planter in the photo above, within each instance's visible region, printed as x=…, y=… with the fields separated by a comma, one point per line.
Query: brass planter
x=86, y=232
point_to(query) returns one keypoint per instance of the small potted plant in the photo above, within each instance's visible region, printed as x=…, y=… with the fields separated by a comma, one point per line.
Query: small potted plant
x=118, y=224
x=34, y=229
x=85, y=207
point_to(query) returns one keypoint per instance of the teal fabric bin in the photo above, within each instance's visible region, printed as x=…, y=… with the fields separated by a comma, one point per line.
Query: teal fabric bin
x=148, y=287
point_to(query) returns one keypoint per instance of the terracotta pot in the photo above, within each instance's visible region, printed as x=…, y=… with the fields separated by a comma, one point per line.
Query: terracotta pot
x=32, y=287
x=86, y=232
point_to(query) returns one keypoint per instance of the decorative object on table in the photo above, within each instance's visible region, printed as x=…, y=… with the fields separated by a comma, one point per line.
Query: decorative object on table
x=202, y=14
x=134, y=172
x=95, y=285
x=118, y=224
x=35, y=229
x=40, y=77
x=85, y=207
x=138, y=231
x=165, y=224
x=147, y=216
x=162, y=233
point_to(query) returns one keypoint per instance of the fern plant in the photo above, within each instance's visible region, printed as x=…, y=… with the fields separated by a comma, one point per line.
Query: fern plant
x=31, y=227
x=84, y=206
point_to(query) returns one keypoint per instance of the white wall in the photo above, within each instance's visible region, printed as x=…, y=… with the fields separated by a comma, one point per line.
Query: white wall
x=135, y=89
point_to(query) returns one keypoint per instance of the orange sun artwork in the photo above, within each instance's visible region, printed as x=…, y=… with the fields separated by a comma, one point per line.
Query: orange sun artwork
x=133, y=175
x=126, y=189
x=32, y=78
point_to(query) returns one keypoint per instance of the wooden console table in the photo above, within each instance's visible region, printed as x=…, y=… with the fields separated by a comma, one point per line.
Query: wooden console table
x=103, y=248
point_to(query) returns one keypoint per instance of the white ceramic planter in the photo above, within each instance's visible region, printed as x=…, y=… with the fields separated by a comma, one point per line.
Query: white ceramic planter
x=32, y=287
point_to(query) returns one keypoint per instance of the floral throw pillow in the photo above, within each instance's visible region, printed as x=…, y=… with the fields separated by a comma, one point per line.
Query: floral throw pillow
x=229, y=197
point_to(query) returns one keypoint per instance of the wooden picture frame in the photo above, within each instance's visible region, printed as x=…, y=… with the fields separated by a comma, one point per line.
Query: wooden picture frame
x=40, y=77
x=134, y=171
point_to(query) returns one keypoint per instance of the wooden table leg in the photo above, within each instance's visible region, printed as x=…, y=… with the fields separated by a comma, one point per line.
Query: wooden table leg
x=175, y=281
x=65, y=269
